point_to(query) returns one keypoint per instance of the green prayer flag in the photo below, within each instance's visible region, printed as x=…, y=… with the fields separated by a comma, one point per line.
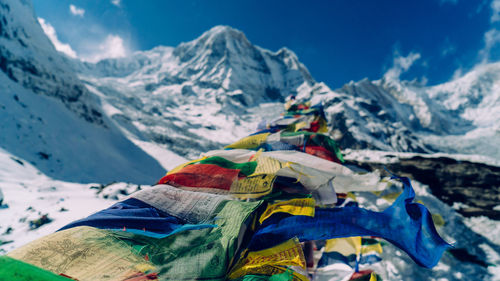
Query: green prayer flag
x=16, y=270
x=198, y=254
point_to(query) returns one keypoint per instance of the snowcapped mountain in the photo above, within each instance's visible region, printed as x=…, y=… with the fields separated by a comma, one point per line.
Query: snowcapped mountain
x=198, y=96
x=221, y=77
x=48, y=116
x=475, y=98
x=392, y=115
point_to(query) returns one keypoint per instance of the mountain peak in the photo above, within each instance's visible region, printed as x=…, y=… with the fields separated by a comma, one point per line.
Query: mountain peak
x=222, y=37
x=222, y=30
x=218, y=42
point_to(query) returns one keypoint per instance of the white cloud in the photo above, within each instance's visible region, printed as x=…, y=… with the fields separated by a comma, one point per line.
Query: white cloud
x=495, y=11
x=491, y=40
x=491, y=37
x=51, y=33
x=457, y=74
x=400, y=65
x=448, y=48
x=76, y=11
x=112, y=47
x=116, y=2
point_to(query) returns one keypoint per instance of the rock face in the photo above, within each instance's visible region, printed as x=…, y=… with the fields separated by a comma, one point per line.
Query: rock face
x=223, y=57
x=476, y=185
x=50, y=119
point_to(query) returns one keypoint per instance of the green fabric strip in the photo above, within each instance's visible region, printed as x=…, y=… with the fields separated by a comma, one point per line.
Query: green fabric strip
x=16, y=270
x=308, y=111
x=204, y=254
x=319, y=140
x=369, y=241
x=246, y=168
x=285, y=276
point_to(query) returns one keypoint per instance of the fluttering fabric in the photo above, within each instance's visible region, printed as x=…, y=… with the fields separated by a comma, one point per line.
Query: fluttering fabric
x=406, y=224
x=133, y=214
x=191, y=226
x=12, y=269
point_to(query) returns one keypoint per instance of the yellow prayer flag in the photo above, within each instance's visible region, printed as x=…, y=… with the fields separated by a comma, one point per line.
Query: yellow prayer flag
x=250, y=141
x=85, y=253
x=253, y=186
x=365, y=249
x=296, y=207
x=267, y=261
x=266, y=165
x=346, y=246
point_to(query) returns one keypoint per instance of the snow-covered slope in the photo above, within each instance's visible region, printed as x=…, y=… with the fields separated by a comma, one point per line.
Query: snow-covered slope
x=48, y=116
x=363, y=115
x=29, y=195
x=475, y=96
x=28, y=58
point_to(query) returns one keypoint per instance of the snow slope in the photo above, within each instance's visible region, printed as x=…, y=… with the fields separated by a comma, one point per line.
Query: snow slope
x=29, y=194
x=50, y=119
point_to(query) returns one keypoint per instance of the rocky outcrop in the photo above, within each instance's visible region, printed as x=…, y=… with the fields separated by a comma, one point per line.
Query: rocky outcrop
x=476, y=185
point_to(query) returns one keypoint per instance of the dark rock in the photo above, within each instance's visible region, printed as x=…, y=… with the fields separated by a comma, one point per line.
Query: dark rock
x=44, y=219
x=18, y=161
x=475, y=184
x=43, y=155
x=462, y=255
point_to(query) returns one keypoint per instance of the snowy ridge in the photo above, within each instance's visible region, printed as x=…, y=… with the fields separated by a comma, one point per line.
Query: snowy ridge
x=389, y=114
x=50, y=119
x=221, y=70
x=475, y=96
x=390, y=157
x=28, y=58
x=183, y=98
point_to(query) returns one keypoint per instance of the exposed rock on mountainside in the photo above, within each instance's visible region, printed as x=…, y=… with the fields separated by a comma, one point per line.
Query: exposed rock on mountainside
x=476, y=185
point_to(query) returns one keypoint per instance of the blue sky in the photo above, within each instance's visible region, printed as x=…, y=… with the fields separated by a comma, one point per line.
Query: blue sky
x=338, y=41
